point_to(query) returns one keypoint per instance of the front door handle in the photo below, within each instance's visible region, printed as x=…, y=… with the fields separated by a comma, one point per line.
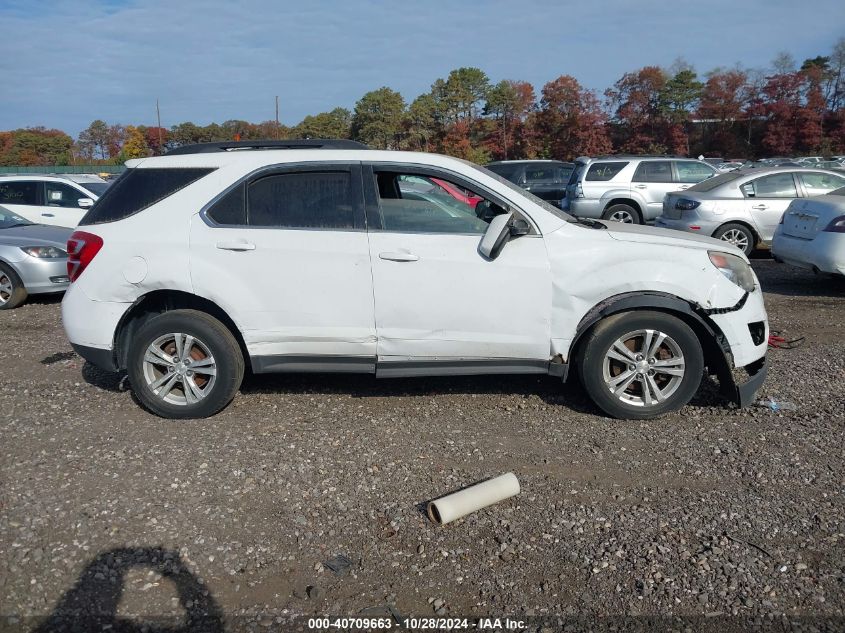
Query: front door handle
x=236, y=246
x=683, y=187
x=398, y=257
x=48, y=215
x=762, y=207
x=641, y=186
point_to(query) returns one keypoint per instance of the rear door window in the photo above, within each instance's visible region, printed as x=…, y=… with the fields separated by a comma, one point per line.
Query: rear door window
x=654, y=171
x=304, y=200
x=772, y=186
x=689, y=171
x=20, y=192
x=545, y=174
x=604, y=171
x=138, y=189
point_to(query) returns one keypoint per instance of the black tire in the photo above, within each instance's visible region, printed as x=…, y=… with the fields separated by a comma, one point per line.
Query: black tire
x=12, y=291
x=211, y=338
x=615, y=212
x=739, y=235
x=597, y=376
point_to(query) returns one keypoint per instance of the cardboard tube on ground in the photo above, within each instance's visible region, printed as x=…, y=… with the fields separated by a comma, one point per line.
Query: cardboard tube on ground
x=458, y=504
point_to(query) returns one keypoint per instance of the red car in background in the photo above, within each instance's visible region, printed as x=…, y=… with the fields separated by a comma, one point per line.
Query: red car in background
x=457, y=193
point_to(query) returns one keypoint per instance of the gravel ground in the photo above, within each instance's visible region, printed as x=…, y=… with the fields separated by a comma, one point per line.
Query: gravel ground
x=714, y=515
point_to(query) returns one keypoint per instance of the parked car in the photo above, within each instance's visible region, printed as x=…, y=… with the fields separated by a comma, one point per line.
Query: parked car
x=310, y=258
x=457, y=193
x=546, y=179
x=744, y=207
x=629, y=189
x=51, y=199
x=33, y=259
x=812, y=234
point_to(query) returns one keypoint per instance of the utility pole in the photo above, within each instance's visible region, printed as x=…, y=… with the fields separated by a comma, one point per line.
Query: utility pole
x=158, y=116
x=277, y=117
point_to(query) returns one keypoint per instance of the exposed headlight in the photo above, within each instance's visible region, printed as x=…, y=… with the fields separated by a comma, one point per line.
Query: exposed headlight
x=685, y=204
x=44, y=252
x=734, y=268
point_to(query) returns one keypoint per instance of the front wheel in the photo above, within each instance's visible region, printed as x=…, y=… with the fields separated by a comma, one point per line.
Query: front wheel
x=12, y=291
x=185, y=364
x=639, y=365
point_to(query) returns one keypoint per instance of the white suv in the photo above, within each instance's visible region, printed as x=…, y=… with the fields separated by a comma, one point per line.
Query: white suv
x=309, y=256
x=57, y=200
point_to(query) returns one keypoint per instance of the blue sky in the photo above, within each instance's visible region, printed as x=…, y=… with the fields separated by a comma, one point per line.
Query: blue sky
x=65, y=63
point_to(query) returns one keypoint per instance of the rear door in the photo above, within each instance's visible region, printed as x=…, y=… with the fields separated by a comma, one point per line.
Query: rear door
x=285, y=252
x=652, y=180
x=766, y=199
x=547, y=181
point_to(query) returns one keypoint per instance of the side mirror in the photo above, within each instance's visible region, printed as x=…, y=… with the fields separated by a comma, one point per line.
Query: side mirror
x=496, y=236
x=85, y=203
x=519, y=227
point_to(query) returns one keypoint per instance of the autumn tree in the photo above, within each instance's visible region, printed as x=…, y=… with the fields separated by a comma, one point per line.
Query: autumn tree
x=782, y=106
x=570, y=121
x=35, y=146
x=635, y=102
x=721, y=110
x=377, y=120
x=95, y=141
x=134, y=145
x=509, y=104
x=676, y=103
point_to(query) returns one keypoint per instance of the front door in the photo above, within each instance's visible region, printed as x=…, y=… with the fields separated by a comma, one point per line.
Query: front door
x=286, y=255
x=766, y=199
x=437, y=299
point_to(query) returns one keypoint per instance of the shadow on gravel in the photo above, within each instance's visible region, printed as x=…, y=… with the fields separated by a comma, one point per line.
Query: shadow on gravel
x=547, y=388
x=781, y=279
x=92, y=603
x=96, y=377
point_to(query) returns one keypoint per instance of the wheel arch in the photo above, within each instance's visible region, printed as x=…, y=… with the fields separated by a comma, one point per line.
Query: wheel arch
x=161, y=301
x=717, y=354
x=620, y=199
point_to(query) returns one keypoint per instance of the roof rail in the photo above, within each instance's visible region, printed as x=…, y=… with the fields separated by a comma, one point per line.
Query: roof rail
x=225, y=146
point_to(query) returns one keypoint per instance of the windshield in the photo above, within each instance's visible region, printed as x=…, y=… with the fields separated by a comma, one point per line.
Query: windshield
x=9, y=219
x=97, y=188
x=715, y=181
x=522, y=192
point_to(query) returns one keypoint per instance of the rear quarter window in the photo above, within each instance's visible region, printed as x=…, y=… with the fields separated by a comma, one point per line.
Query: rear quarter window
x=604, y=171
x=138, y=189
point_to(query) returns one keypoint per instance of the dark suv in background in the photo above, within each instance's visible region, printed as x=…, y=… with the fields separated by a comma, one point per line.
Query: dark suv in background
x=546, y=179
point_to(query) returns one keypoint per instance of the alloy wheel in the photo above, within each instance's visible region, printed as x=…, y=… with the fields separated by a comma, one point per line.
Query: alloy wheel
x=644, y=367
x=6, y=288
x=622, y=216
x=735, y=237
x=179, y=369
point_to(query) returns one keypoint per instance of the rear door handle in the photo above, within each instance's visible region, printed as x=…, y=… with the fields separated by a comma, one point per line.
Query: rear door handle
x=683, y=187
x=762, y=207
x=236, y=246
x=48, y=215
x=398, y=257
x=641, y=186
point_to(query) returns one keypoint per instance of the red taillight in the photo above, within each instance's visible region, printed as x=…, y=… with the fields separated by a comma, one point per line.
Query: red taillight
x=81, y=249
x=837, y=225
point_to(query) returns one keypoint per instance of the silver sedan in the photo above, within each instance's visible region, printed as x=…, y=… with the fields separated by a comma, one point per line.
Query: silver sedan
x=33, y=259
x=744, y=207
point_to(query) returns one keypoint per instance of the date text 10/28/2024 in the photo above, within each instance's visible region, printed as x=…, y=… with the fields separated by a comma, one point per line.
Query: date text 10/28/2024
x=416, y=624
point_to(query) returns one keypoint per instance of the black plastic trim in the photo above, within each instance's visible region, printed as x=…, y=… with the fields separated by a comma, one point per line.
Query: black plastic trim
x=745, y=393
x=290, y=363
x=102, y=358
x=739, y=305
x=468, y=367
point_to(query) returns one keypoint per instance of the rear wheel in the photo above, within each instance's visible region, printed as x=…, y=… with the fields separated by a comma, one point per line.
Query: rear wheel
x=624, y=213
x=639, y=365
x=738, y=235
x=185, y=364
x=12, y=291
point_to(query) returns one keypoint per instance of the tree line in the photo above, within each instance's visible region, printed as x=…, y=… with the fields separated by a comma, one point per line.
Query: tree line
x=733, y=112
